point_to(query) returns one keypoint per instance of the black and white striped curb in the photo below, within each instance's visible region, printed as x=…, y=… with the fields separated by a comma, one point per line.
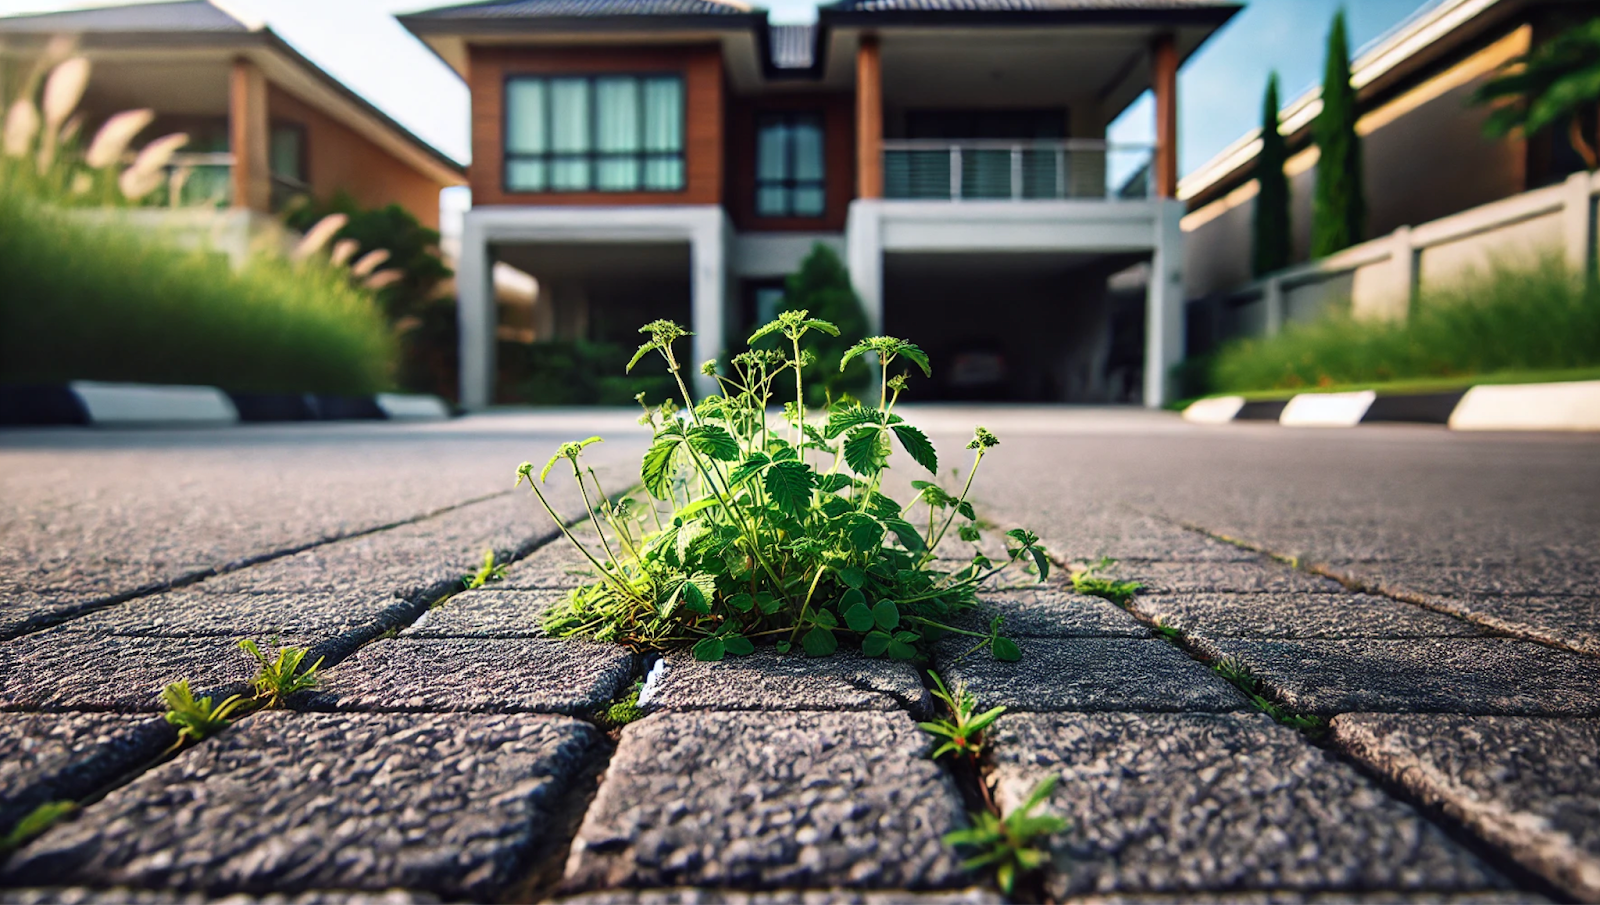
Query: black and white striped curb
x=1568, y=406
x=133, y=404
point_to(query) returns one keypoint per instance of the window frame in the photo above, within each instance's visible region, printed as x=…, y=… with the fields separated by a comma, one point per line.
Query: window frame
x=790, y=184
x=593, y=156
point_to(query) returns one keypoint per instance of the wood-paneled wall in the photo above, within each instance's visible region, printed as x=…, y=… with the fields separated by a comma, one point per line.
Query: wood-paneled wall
x=701, y=68
x=839, y=163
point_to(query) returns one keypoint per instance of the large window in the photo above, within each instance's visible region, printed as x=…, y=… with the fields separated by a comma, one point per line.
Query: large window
x=611, y=133
x=789, y=178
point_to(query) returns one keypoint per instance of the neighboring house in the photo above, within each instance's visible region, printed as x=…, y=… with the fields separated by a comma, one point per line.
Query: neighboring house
x=676, y=158
x=264, y=123
x=1425, y=157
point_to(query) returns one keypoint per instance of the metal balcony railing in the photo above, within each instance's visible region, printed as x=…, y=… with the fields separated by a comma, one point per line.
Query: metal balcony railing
x=1004, y=169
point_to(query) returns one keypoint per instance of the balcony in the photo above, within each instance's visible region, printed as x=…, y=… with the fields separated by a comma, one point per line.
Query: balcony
x=205, y=179
x=1016, y=170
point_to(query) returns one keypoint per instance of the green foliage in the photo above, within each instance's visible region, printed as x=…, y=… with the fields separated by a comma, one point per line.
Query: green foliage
x=962, y=732
x=822, y=286
x=621, y=713
x=1242, y=678
x=1557, y=82
x=1537, y=317
x=561, y=372
x=1089, y=581
x=1272, y=247
x=1339, y=206
x=197, y=720
x=489, y=571
x=777, y=531
x=34, y=823
x=279, y=678
x=93, y=300
x=1014, y=844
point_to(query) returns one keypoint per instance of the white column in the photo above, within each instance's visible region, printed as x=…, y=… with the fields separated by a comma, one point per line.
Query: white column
x=706, y=282
x=864, y=258
x=1272, y=298
x=1403, y=264
x=475, y=316
x=1163, y=345
x=1578, y=221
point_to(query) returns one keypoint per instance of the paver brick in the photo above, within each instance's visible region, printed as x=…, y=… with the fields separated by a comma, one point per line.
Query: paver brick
x=693, y=896
x=288, y=803
x=1299, y=616
x=1420, y=675
x=306, y=614
x=490, y=612
x=770, y=801
x=69, y=756
x=1529, y=786
x=1051, y=611
x=1088, y=674
x=1181, y=803
x=766, y=680
x=78, y=895
x=501, y=675
x=1262, y=576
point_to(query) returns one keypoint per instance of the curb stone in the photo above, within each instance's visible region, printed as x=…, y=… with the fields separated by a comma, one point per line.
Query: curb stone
x=1564, y=406
x=95, y=403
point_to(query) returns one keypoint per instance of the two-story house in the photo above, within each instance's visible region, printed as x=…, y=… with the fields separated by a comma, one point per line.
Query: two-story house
x=264, y=123
x=676, y=158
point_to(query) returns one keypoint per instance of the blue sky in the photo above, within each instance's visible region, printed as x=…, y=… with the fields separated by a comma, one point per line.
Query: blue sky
x=1219, y=90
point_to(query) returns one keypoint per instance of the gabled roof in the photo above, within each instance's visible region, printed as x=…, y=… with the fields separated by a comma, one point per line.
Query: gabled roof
x=1212, y=12
x=180, y=16
x=533, y=9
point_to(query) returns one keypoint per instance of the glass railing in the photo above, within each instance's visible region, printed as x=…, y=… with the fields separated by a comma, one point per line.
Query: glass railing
x=1002, y=169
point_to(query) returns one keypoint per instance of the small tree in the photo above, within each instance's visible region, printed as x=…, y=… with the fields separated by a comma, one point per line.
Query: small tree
x=1339, y=207
x=1555, y=82
x=822, y=287
x=1272, y=248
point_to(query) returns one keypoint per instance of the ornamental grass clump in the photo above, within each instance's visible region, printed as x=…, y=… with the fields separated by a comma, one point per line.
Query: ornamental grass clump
x=767, y=531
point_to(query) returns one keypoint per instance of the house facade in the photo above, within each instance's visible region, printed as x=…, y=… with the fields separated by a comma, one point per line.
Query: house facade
x=264, y=123
x=677, y=158
x=1426, y=161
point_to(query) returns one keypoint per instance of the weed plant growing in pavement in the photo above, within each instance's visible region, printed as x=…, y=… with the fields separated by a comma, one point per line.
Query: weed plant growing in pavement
x=1014, y=844
x=198, y=720
x=1090, y=581
x=280, y=678
x=777, y=532
x=34, y=823
x=962, y=732
x=1242, y=678
x=274, y=682
x=489, y=571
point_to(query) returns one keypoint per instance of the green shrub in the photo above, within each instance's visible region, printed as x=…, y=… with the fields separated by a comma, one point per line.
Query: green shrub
x=1533, y=318
x=822, y=287
x=575, y=372
x=100, y=301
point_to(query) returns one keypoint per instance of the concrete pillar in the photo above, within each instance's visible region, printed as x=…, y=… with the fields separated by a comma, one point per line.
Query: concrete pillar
x=1403, y=264
x=869, y=119
x=247, y=137
x=1272, y=297
x=1578, y=222
x=475, y=316
x=707, y=310
x=1163, y=346
x=1164, y=83
x=864, y=258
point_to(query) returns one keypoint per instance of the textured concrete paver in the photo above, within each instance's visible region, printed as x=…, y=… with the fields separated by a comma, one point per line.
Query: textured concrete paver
x=557, y=565
x=284, y=802
x=491, y=612
x=319, y=614
x=1130, y=536
x=1255, y=577
x=78, y=895
x=692, y=896
x=1421, y=675
x=1051, y=612
x=502, y=675
x=785, y=800
x=1173, y=803
x=63, y=669
x=766, y=680
x=1297, y=897
x=1299, y=616
x=67, y=757
x=1089, y=674
x=1529, y=786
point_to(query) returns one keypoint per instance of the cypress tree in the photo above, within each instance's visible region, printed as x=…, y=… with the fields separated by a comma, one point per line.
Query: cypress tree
x=1272, y=249
x=1339, y=208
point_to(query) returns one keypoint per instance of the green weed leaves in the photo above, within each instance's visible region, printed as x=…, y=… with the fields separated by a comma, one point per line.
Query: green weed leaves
x=281, y=677
x=961, y=733
x=779, y=530
x=34, y=823
x=1089, y=581
x=198, y=720
x=1013, y=844
x=489, y=571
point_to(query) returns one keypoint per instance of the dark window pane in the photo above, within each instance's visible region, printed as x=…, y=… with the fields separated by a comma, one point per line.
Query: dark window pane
x=808, y=201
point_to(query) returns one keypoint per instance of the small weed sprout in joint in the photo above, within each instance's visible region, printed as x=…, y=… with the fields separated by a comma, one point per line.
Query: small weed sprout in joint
x=1089, y=581
x=1236, y=672
x=197, y=720
x=33, y=824
x=1012, y=844
x=489, y=571
x=962, y=733
x=281, y=678
x=777, y=532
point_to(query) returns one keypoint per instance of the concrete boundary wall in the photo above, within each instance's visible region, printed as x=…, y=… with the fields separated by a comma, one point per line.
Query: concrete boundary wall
x=1382, y=277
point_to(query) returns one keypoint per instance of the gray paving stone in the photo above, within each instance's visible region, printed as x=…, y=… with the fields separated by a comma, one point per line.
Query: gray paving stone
x=1299, y=616
x=771, y=800
x=306, y=614
x=490, y=612
x=1530, y=787
x=78, y=895
x=67, y=757
x=1088, y=674
x=1295, y=897
x=24, y=609
x=1420, y=675
x=1262, y=576
x=1051, y=612
x=501, y=675
x=288, y=803
x=64, y=669
x=1180, y=803
x=766, y=680
x=1570, y=577
x=1570, y=622
x=692, y=896
x=556, y=565
x=1127, y=536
